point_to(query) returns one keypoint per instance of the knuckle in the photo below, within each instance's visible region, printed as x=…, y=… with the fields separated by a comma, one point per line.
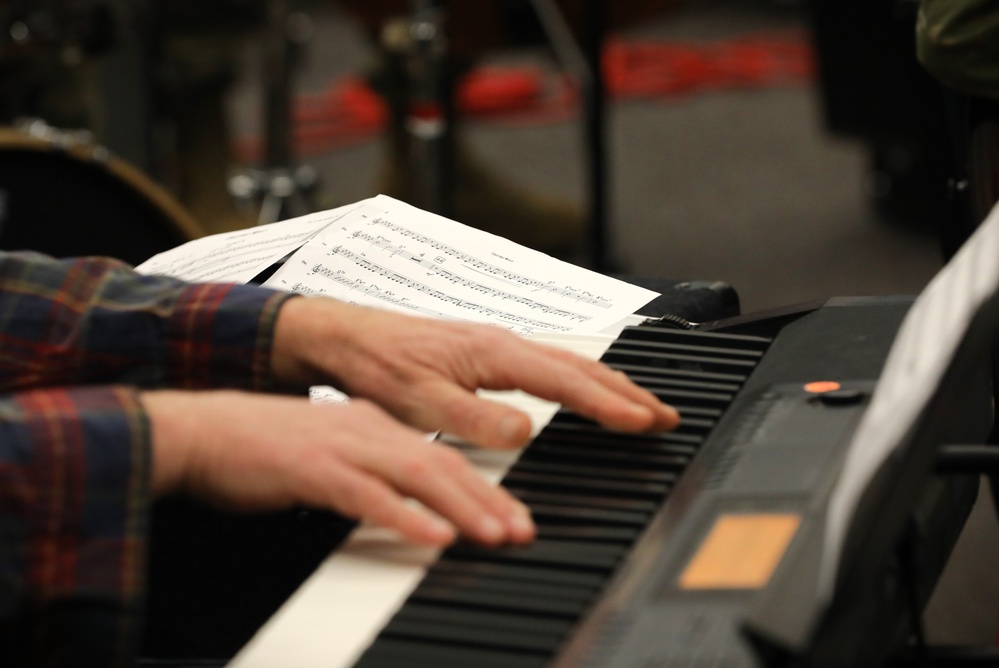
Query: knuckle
x=451, y=460
x=417, y=469
x=372, y=502
x=365, y=407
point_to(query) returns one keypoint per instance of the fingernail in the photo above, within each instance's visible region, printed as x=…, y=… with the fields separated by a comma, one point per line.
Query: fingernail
x=643, y=413
x=511, y=429
x=522, y=525
x=674, y=415
x=442, y=532
x=490, y=530
x=520, y=508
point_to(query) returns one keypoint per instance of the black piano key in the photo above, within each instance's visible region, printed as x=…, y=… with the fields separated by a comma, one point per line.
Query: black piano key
x=720, y=354
x=580, y=485
x=712, y=367
x=714, y=401
x=533, y=496
x=691, y=424
x=694, y=397
x=567, y=554
x=509, y=584
x=463, y=616
x=578, y=451
x=727, y=343
x=596, y=534
x=663, y=380
x=462, y=633
x=718, y=359
x=584, y=434
x=560, y=467
x=686, y=410
x=565, y=451
x=488, y=599
x=523, y=572
x=591, y=517
x=395, y=652
x=626, y=361
x=568, y=421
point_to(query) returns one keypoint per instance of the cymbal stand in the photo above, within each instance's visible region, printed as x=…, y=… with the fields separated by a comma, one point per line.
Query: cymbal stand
x=420, y=41
x=583, y=61
x=282, y=188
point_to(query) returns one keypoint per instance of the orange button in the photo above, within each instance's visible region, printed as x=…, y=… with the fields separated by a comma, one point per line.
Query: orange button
x=821, y=386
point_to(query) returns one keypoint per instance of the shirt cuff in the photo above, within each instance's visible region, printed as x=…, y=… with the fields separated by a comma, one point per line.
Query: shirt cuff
x=220, y=335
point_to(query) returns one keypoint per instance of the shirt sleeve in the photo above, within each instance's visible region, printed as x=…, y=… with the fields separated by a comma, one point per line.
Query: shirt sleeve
x=77, y=339
x=74, y=495
x=95, y=320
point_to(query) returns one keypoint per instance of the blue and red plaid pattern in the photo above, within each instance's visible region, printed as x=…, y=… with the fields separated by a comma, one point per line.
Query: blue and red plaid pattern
x=78, y=340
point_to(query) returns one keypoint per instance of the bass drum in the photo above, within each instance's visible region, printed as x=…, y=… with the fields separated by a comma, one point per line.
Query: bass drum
x=69, y=198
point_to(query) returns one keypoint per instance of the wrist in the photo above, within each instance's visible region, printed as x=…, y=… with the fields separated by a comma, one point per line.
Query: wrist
x=309, y=335
x=171, y=413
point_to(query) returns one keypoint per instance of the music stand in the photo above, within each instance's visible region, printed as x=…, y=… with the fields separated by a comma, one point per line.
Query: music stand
x=828, y=582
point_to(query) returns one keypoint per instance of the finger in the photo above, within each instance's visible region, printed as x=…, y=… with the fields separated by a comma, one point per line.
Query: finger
x=663, y=416
x=585, y=386
x=443, y=480
x=487, y=424
x=362, y=496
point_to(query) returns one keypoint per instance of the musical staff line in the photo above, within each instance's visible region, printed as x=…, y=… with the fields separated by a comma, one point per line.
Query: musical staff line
x=374, y=267
x=467, y=305
x=492, y=269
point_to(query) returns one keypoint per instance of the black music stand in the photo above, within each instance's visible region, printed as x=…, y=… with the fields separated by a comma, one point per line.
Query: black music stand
x=833, y=584
x=282, y=188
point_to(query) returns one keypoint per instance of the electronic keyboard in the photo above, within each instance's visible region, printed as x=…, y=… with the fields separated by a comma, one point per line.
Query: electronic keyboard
x=652, y=549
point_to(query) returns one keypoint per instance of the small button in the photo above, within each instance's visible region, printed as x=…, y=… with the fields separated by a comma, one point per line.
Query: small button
x=820, y=386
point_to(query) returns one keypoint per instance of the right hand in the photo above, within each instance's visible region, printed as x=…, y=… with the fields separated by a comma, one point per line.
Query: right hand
x=254, y=452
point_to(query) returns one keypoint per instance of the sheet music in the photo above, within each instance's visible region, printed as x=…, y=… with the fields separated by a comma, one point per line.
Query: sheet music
x=392, y=255
x=924, y=347
x=236, y=257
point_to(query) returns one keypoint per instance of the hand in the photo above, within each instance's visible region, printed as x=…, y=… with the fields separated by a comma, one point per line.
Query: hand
x=251, y=451
x=425, y=372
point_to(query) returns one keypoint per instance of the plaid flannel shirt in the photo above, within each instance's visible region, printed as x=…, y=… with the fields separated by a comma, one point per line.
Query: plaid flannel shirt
x=78, y=339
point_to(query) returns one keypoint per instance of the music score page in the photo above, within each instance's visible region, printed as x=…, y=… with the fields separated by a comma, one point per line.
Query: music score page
x=238, y=256
x=386, y=253
x=389, y=254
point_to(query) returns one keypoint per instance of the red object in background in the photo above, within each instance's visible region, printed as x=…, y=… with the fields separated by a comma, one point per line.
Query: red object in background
x=349, y=112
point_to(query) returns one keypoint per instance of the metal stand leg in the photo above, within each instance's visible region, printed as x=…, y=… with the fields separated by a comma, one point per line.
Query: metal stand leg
x=282, y=188
x=596, y=137
x=583, y=61
x=420, y=43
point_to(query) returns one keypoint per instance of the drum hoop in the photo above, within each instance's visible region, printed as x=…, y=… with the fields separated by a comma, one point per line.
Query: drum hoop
x=102, y=158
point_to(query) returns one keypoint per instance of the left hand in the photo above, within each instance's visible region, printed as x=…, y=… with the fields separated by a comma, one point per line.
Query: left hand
x=425, y=372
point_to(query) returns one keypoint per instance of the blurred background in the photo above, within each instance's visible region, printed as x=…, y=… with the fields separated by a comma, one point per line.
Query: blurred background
x=793, y=149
